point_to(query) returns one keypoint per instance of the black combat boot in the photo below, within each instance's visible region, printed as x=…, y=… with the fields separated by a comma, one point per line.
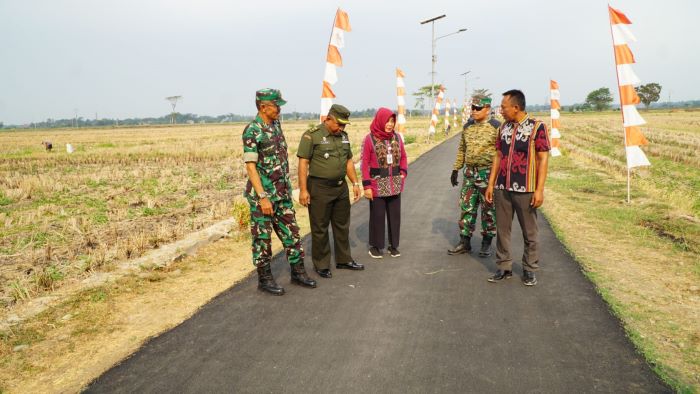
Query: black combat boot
x=485, y=246
x=464, y=246
x=267, y=283
x=300, y=277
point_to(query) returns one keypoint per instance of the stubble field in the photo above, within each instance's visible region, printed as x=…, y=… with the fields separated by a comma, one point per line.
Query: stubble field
x=644, y=257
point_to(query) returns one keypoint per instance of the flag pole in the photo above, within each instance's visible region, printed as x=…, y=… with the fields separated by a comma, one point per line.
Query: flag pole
x=622, y=113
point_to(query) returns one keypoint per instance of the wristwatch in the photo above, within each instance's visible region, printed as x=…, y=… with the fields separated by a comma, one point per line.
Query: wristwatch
x=262, y=195
x=358, y=184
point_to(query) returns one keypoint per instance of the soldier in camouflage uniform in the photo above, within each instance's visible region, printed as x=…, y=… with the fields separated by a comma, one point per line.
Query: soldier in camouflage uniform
x=475, y=154
x=269, y=193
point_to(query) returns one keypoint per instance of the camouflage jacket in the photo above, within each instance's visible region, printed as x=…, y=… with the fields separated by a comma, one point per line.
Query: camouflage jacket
x=265, y=145
x=477, y=144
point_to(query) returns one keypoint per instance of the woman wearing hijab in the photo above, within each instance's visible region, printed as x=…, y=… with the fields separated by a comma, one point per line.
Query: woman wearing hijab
x=384, y=168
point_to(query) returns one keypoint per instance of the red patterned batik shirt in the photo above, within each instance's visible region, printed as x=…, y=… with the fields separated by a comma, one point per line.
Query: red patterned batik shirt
x=517, y=145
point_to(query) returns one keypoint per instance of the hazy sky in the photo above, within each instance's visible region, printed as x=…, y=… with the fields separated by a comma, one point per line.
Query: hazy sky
x=121, y=58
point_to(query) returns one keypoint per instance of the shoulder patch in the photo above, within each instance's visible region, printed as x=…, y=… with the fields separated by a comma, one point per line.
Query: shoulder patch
x=307, y=136
x=470, y=122
x=495, y=123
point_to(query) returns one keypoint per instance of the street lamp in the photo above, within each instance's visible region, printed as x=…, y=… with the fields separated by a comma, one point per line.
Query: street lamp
x=465, y=84
x=434, y=58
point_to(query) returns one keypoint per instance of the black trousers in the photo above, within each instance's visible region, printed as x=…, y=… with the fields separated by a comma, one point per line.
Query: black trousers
x=379, y=209
x=330, y=204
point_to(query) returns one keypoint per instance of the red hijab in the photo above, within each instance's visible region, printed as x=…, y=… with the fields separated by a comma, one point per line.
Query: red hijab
x=379, y=122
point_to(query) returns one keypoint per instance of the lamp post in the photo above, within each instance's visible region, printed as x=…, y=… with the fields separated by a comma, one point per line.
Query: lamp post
x=434, y=58
x=465, y=84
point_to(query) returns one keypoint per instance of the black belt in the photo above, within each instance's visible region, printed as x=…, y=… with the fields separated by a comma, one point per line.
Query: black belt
x=329, y=182
x=384, y=172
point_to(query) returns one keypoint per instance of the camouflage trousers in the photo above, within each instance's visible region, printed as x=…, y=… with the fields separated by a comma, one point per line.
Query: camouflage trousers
x=283, y=221
x=471, y=198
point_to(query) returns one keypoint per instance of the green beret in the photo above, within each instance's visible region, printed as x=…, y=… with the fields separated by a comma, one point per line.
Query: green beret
x=270, y=95
x=481, y=100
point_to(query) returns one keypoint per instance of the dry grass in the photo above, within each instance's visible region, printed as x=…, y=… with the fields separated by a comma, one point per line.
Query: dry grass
x=644, y=257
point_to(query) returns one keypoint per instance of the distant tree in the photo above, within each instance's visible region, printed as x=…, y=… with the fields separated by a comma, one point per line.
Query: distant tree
x=649, y=93
x=423, y=93
x=599, y=99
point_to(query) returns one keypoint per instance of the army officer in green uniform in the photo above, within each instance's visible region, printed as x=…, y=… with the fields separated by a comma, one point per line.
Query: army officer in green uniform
x=325, y=158
x=269, y=193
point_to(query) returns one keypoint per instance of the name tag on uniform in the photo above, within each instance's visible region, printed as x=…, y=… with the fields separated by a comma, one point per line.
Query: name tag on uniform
x=346, y=142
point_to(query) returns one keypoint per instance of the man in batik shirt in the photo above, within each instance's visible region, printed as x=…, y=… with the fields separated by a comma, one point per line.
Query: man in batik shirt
x=516, y=184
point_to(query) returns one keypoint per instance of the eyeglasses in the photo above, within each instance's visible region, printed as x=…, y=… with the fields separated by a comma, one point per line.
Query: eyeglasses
x=476, y=108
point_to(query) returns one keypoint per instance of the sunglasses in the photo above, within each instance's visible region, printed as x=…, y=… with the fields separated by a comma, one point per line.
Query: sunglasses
x=476, y=108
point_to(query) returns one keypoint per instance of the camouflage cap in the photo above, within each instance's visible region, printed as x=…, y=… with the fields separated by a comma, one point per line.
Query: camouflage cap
x=481, y=100
x=340, y=113
x=270, y=95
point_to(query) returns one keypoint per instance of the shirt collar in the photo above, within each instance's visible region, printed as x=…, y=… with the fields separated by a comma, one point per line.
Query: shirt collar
x=524, y=119
x=259, y=120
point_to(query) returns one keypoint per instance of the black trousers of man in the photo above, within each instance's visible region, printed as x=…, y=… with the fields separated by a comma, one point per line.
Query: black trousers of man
x=330, y=204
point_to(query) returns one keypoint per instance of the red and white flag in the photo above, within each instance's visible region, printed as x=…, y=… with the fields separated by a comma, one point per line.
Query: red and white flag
x=401, y=100
x=341, y=24
x=454, y=113
x=436, y=111
x=626, y=78
x=555, y=106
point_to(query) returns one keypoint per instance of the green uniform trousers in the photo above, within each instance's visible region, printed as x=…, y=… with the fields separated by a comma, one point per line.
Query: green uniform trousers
x=472, y=197
x=330, y=203
x=283, y=221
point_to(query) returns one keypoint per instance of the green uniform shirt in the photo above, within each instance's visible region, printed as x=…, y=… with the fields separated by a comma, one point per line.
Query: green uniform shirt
x=327, y=153
x=477, y=144
x=265, y=146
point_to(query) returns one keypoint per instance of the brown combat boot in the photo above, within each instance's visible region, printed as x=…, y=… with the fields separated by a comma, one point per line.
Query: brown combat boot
x=300, y=277
x=464, y=246
x=267, y=283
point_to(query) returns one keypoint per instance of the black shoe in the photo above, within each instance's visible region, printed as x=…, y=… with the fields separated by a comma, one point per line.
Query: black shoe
x=375, y=253
x=464, y=246
x=529, y=278
x=485, y=250
x=350, y=266
x=267, y=283
x=500, y=275
x=393, y=252
x=300, y=277
x=324, y=273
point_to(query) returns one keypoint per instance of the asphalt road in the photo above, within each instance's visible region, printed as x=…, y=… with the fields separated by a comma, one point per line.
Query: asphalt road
x=424, y=322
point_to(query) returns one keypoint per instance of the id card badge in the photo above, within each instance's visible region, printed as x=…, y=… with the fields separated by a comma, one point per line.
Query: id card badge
x=389, y=159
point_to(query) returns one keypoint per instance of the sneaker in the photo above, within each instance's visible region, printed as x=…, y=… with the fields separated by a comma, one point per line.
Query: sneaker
x=394, y=252
x=529, y=278
x=500, y=275
x=375, y=253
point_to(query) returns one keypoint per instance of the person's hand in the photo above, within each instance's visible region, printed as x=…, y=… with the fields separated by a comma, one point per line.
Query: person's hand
x=368, y=194
x=266, y=206
x=488, y=195
x=537, y=199
x=453, y=178
x=304, y=198
x=356, y=192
